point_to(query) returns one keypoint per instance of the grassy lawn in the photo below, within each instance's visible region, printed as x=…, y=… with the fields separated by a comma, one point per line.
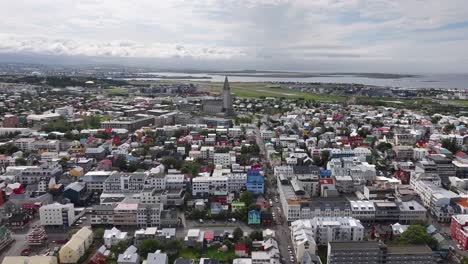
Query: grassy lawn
x=189, y=253
x=322, y=253
x=257, y=89
x=225, y=257
x=116, y=90
x=463, y=102
x=221, y=256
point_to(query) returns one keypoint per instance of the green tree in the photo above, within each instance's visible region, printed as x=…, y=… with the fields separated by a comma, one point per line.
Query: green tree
x=8, y=148
x=417, y=235
x=237, y=234
x=256, y=235
x=20, y=162
x=121, y=162
x=119, y=248
x=450, y=144
x=247, y=197
x=149, y=246
x=383, y=146
x=99, y=233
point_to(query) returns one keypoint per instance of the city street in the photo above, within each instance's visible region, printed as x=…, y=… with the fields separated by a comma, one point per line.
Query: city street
x=283, y=236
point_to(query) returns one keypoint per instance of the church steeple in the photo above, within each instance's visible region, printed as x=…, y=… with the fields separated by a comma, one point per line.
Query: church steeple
x=227, y=99
x=226, y=86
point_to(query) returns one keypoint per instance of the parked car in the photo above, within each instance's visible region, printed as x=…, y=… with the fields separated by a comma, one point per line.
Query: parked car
x=26, y=252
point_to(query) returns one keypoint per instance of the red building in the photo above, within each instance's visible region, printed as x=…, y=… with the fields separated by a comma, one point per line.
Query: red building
x=37, y=236
x=10, y=121
x=219, y=197
x=97, y=258
x=459, y=230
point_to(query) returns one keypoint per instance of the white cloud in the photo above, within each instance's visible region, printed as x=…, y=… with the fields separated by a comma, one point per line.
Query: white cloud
x=344, y=32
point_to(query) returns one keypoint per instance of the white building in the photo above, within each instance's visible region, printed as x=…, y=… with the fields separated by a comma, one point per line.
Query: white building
x=57, y=214
x=331, y=229
x=223, y=159
x=363, y=210
x=303, y=239
x=203, y=185
x=113, y=236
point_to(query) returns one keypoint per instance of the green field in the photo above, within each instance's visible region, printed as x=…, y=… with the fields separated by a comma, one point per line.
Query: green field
x=462, y=102
x=225, y=257
x=252, y=90
x=116, y=90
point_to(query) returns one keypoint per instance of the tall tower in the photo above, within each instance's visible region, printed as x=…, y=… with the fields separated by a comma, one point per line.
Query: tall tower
x=227, y=98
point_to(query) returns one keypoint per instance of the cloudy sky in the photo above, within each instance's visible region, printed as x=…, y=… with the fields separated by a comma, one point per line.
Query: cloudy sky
x=309, y=35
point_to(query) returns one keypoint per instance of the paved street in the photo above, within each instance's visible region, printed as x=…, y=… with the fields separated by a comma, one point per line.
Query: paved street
x=283, y=236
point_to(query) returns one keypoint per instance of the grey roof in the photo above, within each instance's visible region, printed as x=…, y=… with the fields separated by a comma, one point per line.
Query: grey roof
x=94, y=150
x=76, y=186
x=93, y=178
x=168, y=214
x=306, y=169
x=356, y=245
x=157, y=258
x=408, y=249
x=129, y=256
x=327, y=204
x=183, y=261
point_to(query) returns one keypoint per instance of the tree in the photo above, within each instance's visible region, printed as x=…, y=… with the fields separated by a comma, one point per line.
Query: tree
x=382, y=147
x=121, y=162
x=256, y=235
x=149, y=246
x=363, y=132
x=20, y=162
x=449, y=128
x=8, y=148
x=247, y=197
x=119, y=248
x=99, y=233
x=450, y=144
x=417, y=235
x=237, y=234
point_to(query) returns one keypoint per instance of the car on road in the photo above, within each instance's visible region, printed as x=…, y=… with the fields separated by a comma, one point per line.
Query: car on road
x=60, y=241
x=200, y=221
x=26, y=252
x=213, y=221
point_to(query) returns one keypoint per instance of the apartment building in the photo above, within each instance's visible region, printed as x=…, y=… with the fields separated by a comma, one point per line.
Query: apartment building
x=76, y=247
x=205, y=185
x=125, y=182
x=57, y=214
x=329, y=229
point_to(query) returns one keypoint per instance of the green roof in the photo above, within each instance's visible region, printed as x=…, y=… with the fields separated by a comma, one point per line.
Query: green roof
x=3, y=231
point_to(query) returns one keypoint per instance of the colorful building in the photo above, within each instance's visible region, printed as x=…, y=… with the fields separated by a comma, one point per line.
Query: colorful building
x=254, y=217
x=459, y=230
x=255, y=181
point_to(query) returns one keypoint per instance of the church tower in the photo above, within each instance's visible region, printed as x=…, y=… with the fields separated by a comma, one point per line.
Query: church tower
x=227, y=99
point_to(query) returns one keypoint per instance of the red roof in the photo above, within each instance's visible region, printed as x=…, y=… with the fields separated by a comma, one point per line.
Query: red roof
x=240, y=247
x=326, y=181
x=98, y=258
x=209, y=235
x=262, y=204
x=106, y=162
x=460, y=154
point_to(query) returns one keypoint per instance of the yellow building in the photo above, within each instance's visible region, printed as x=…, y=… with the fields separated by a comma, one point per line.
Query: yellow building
x=76, y=247
x=77, y=171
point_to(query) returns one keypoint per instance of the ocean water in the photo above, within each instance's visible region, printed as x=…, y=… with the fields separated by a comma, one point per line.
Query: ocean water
x=445, y=81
